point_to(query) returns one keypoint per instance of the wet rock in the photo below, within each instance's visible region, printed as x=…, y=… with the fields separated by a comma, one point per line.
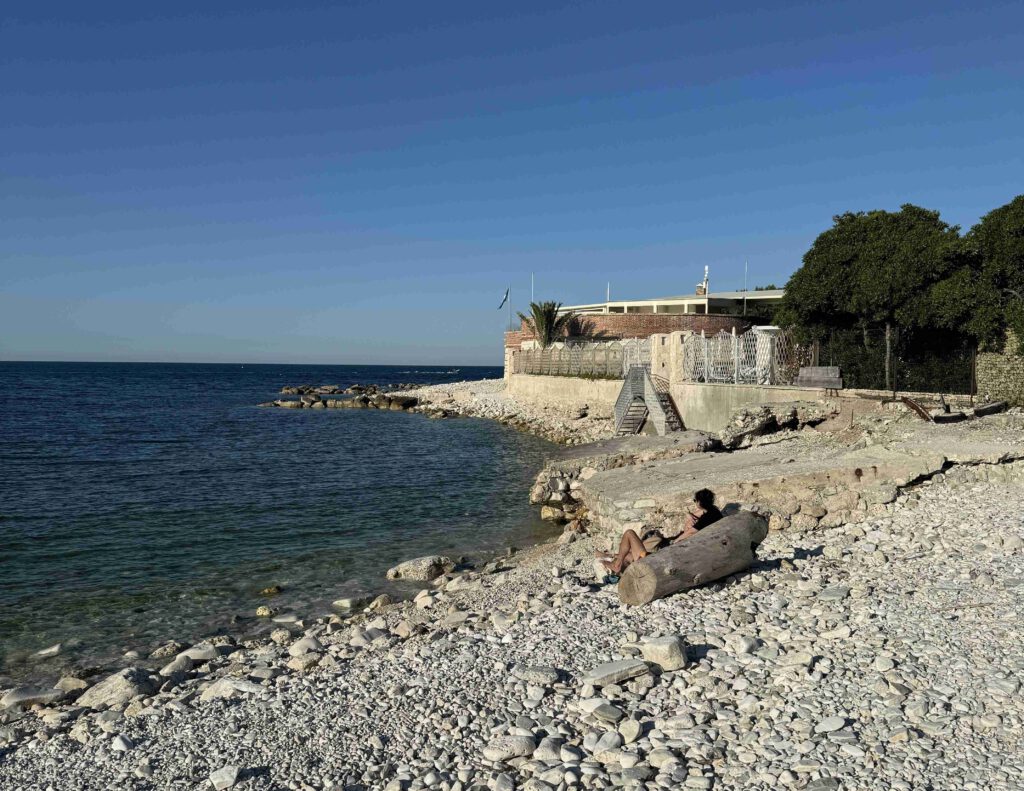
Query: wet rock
x=24, y=697
x=117, y=690
x=423, y=569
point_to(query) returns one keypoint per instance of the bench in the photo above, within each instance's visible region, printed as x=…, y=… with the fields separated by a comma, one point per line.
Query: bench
x=826, y=376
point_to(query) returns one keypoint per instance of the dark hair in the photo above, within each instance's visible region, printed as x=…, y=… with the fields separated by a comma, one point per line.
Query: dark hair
x=705, y=498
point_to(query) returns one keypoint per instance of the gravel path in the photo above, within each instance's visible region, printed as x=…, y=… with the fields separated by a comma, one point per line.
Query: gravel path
x=884, y=654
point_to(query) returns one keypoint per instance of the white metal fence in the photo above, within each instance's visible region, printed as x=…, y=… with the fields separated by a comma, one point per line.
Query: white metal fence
x=594, y=360
x=762, y=355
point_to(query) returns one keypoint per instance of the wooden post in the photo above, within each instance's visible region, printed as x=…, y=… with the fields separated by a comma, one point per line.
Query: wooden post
x=717, y=551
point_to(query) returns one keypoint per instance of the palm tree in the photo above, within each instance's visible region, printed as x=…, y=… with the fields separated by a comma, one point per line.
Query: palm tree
x=545, y=323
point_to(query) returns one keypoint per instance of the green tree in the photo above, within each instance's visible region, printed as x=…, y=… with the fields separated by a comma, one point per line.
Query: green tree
x=545, y=322
x=872, y=269
x=985, y=296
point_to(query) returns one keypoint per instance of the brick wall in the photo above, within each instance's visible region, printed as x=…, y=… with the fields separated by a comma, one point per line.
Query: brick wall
x=611, y=326
x=514, y=340
x=1001, y=375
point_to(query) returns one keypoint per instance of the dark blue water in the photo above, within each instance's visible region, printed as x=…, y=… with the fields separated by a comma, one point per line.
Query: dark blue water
x=141, y=502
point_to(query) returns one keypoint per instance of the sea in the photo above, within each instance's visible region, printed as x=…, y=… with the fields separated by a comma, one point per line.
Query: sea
x=146, y=502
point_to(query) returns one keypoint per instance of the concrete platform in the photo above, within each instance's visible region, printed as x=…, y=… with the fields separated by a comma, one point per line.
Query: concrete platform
x=801, y=482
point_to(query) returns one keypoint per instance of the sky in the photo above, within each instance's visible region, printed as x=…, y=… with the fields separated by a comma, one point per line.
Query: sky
x=346, y=182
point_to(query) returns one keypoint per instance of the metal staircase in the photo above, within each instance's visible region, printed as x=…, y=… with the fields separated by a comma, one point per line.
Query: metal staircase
x=645, y=397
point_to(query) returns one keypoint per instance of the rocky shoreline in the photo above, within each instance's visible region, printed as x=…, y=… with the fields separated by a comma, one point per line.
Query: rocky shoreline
x=879, y=654
x=876, y=650
x=484, y=398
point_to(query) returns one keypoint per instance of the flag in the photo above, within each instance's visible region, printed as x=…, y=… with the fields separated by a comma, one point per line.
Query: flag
x=504, y=299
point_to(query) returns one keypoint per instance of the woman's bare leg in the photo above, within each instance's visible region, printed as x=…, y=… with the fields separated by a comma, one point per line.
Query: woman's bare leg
x=631, y=548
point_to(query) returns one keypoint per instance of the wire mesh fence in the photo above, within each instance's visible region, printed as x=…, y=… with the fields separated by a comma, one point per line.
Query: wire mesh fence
x=604, y=361
x=932, y=361
x=762, y=355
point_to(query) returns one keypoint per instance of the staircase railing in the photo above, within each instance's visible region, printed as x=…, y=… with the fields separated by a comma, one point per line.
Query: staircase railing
x=639, y=383
x=632, y=388
x=654, y=406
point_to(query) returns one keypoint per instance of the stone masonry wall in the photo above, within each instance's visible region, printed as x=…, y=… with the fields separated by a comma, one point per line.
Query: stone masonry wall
x=1001, y=375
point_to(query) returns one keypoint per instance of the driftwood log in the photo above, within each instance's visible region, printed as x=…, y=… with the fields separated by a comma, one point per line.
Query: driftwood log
x=717, y=551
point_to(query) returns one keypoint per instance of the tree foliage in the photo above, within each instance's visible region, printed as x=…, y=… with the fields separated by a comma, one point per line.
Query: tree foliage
x=872, y=269
x=985, y=296
x=546, y=324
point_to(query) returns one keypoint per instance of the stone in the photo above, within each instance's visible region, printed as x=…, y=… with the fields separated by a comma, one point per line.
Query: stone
x=503, y=748
x=121, y=744
x=422, y=569
x=115, y=691
x=201, y=652
x=830, y=724
x=46, y=653
x=608, y=713
x=834, y=593
x=630, y=730
x=536, y=674
x=304, y=662
x=549, y=749
x=350, y=602
x=614, y=672
x=177, y=667
x=742, y=644
x=306, y=645
x=225, y=777
x=229, y=687
x=380, y=602
x=71, y=684
x=24, y=697
x=669, y=653
x=551, y=514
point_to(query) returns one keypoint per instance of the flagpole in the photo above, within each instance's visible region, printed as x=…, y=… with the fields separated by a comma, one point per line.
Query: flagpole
x=744, y=287
x=531, y=286
x=510, y=307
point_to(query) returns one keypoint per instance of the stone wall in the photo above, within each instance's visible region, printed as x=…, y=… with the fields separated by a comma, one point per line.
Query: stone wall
x=1001, y=375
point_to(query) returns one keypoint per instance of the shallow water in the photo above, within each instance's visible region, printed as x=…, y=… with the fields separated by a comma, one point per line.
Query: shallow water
x=141, y=502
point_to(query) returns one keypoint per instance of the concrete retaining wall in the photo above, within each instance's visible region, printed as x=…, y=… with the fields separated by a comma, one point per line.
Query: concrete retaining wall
x=599, y=394
x=708, y=407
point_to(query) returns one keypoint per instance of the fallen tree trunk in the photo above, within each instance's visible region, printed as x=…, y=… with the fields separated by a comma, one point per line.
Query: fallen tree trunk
x=717, y=551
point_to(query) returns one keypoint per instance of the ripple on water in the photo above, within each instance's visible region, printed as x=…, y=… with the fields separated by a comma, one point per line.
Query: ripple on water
x=157, y=501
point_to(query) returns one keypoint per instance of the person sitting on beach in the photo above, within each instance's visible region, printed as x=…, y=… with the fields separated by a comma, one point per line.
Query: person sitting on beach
x=633, y=547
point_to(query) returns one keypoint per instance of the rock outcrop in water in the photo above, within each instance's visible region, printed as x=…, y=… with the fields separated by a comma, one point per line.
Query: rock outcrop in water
x=393, y=403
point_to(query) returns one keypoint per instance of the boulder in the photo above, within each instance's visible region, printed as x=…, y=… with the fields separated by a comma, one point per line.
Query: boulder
x=117, y=690
x=669, y=653
x=423, y=569
x=23, y=697
x=503, y=748
x=552, y=514
x=201, y=652
x=307, y=645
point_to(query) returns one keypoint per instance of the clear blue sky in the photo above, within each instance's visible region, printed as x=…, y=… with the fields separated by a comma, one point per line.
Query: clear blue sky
x=357, y=182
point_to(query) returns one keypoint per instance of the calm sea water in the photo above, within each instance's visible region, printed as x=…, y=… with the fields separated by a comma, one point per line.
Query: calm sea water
x=142, y=502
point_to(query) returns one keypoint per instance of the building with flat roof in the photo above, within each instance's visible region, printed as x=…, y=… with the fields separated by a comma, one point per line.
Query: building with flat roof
x=701, y=302
x=722, y=303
